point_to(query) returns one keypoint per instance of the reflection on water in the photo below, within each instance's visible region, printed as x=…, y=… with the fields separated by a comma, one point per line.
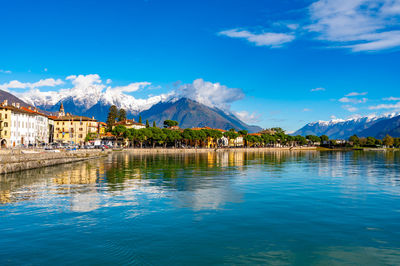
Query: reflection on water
x=261, y=207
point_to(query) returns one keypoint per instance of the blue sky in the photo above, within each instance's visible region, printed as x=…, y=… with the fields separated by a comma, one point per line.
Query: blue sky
x=292, y=61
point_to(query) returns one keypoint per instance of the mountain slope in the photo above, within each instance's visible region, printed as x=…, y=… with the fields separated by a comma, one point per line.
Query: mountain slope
x=193, y=114
x=342, y=129
x=380, y=129
x=12, y=99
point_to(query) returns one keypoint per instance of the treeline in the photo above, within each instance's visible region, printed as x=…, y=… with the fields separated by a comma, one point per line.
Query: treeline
x=166, y=137
x=387, y=141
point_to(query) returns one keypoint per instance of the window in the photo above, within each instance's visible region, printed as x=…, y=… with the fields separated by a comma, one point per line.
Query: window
x=5, y=116
x=5, y=125
x=80, y=129
x=80, y=136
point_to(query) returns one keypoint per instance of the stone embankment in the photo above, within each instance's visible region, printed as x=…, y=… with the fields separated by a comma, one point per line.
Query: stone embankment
x=17, y=160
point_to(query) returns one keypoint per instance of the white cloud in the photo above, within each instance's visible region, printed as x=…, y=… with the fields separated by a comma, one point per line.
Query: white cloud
x=356, y=94
x=130, y=87
x=350, y=108
x=270, y=39
x=211, y=94
x=307, y=110
x=108, y=81
x=352, y=100
x=5, y=71
x=293, y=26
x=361, y=25
x=391, y=99
x=318, y=89
x=15, y=84
x=385, y=106
x=248, y=117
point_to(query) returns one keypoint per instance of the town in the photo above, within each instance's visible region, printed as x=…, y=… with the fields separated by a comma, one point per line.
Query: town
x=27, y=127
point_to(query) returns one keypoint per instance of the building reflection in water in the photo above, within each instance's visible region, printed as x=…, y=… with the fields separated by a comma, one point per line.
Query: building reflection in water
x=201, y=181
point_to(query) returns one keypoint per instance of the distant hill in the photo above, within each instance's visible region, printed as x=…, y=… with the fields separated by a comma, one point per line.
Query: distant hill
x=12, y=99
x=193, y=114
x=342, y=129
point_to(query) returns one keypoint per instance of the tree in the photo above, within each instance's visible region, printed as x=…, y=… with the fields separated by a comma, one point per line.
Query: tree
x=243, y=132
x=147, y=123
x=112, y=116
x=278, y=130
x=388, y=141
x=188, y=135
x=371, y=141
x=170, y=123
x=355, y=140
x=121, y=114
x=140, y=119
x=324, y=138
x=119, y=131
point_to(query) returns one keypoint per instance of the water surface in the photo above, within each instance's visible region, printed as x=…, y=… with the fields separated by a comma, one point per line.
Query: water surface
x=275, y=208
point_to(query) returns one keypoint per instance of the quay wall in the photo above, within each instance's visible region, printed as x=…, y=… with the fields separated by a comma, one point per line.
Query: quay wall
x=15, y=160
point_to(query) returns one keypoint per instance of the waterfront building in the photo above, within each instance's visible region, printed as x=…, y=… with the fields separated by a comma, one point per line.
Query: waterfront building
x=72, y=129
x=129, y=123
x=41, y=132
x=23, y=126
x=5, y=125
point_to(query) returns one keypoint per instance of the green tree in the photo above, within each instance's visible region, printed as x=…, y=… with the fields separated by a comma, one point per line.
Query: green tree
x=188, y=135
x=170, y=123
x=324, y=138
x=371, y=141
x=154, y=124
x=355, y=140
x=140, y=119
x=147, y=123
x=121, y=114
x=119, y=131
x=112, y=116
x=388, y=141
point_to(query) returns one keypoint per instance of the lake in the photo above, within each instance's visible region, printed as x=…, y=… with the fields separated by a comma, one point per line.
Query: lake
x=277, y=207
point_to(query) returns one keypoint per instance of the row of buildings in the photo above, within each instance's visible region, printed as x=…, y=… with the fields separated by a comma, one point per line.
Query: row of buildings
x=25, y=126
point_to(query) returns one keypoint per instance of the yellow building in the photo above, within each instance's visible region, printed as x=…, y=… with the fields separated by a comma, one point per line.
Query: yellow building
x=5, y=126
x=71, y=128
x=102, y=128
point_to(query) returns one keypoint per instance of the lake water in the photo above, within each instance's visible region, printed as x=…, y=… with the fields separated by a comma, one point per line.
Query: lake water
x=276, y=208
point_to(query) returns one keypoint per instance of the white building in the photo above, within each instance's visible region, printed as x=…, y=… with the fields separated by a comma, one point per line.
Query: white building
x=28, y=127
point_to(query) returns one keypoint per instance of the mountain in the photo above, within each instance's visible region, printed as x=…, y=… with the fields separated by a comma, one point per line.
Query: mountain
x=190, y=114
x=382, y=128
x=12, y=99
x=96, y=104
x=343, y=129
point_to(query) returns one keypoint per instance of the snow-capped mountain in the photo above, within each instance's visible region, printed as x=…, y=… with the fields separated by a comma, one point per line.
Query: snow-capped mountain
x=343, y=128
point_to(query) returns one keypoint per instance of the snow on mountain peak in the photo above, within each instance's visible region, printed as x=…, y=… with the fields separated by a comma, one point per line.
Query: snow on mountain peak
x=367, y=118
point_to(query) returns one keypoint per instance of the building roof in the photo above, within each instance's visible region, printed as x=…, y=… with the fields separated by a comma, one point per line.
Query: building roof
x=128, y=122
x=69, y=117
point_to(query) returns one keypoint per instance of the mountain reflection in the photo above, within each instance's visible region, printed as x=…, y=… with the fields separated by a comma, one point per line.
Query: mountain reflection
x=200, y=181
